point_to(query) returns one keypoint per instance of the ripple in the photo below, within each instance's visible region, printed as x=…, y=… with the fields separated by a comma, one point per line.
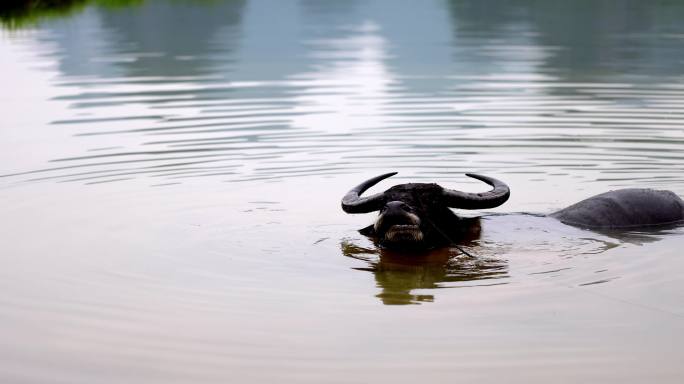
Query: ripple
x=345, y=116
x=408, y=127
x=172, y=210
x=352, y=105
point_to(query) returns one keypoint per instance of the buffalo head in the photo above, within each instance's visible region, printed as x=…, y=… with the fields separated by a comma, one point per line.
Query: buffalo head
x=417, y=215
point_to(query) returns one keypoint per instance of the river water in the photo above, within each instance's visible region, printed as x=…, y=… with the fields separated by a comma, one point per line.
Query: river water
x=171, y=174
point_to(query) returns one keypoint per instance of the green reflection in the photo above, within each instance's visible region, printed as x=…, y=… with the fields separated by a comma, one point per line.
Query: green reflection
x=15, y=14
x=21, y=13
x=400, y=275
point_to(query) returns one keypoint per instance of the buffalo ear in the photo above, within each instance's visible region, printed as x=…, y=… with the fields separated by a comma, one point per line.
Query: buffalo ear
x=368, y=231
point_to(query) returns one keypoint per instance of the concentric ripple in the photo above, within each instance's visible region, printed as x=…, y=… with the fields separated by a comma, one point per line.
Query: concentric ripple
x=351, y=98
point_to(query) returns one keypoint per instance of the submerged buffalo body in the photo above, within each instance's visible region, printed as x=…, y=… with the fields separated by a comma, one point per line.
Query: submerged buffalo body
x=418, y=216
x=624, y=209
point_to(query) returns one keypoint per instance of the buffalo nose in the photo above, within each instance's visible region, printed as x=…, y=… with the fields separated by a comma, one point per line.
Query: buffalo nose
x=397, y=212
x=396, y=207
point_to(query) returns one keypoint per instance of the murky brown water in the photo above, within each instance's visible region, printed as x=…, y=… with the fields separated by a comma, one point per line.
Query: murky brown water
x=171, y=175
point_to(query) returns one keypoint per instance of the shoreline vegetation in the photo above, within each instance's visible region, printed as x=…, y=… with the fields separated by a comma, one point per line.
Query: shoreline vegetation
x=15, y=14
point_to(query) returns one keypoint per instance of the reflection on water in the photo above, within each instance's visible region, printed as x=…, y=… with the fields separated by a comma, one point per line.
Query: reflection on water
x=483, y=261
x=251, y=118
x=398, y=275
x=15, y=14
x=643, y=236
x=344, y=88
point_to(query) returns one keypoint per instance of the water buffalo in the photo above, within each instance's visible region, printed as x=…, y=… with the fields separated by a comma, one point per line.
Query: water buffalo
x=418, y=215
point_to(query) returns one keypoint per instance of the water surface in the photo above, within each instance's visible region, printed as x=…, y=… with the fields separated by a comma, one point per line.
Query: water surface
x=171, y=175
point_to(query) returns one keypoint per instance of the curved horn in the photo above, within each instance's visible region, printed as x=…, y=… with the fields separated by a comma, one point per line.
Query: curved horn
x=483, y=200
x=353, y=203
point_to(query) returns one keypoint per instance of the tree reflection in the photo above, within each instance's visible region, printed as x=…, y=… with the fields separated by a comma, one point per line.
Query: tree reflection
x=158, y=38
x=20, y=13
x=577, y=38
x=171, y=39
